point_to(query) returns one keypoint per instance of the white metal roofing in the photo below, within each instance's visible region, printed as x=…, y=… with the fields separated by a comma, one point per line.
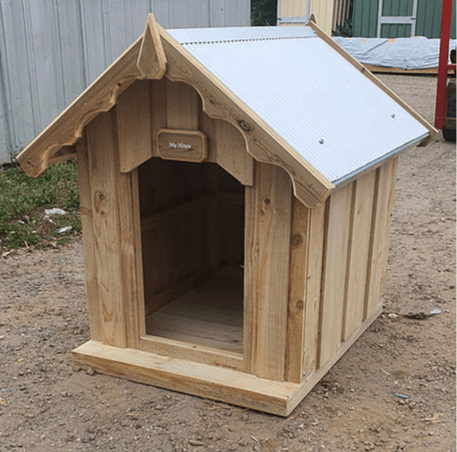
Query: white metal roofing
x=310, y=95
x=213, y=35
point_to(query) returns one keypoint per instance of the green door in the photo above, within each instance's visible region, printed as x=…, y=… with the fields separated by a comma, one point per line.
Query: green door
x=397, y=18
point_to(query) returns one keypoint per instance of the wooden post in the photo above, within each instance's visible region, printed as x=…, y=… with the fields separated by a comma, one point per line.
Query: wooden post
x=267, y=244
x=111, y=244
x=298, y=279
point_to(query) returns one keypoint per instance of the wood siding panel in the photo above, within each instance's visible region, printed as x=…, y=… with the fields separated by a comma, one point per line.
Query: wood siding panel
x=335, y=263
x=298, y=278
x=231, y=152
x=129, y=247
x=85, y=208
x=182, y=106
x=323, y=12
x=113, y=236
x=134, y=125
x=268, y=216
x=313, y=289
x=359, y=254
x=381, y=234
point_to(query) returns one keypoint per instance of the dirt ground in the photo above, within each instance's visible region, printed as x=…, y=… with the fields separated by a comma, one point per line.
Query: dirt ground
x=45, y=405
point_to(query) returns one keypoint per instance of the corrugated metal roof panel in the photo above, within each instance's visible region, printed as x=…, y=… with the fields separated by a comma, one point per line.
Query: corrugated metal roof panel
x=309, y=94
x=213, y=35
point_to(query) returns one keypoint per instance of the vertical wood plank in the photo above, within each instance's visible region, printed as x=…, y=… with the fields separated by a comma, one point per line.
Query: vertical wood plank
x=158, y=101
x=208, y=126
x=227, y=147
x=134, y=125
x=298, y=278
x=313, y=288
x=381, y=235
x=114, y=242
x=372, y=236
x=85, y=208
x=130, y=248
x=335, y=261
x=250, y=260
x=359, y=253
x=182, y=106
x=267, y=255
x=231, y=152
x=139, y=310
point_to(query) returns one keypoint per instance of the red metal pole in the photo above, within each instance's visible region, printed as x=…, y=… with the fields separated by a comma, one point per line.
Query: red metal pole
x=440, y=109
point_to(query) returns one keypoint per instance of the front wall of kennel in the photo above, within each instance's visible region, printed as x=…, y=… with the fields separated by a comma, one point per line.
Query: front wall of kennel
x=313, y=278
x=297, y=260
x=306, y=259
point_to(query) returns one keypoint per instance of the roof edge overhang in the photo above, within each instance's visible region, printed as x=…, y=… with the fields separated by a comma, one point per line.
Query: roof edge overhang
x=380, y=161
x=156, y=54
x=153, y=55
x=365, y=71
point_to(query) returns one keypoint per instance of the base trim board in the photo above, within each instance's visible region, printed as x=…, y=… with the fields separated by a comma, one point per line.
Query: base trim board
x=225, y=385
x=198, y=379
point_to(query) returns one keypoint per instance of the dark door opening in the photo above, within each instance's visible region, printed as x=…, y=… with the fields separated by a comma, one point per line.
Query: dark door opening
x=192, y=227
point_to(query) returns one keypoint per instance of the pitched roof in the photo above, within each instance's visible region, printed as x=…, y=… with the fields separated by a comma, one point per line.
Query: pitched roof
x=299, y=100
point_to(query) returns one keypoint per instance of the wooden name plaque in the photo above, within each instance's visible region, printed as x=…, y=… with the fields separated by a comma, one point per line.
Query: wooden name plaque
x=183, y=145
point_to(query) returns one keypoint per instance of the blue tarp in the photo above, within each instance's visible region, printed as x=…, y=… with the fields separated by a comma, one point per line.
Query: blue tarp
x=405, y=53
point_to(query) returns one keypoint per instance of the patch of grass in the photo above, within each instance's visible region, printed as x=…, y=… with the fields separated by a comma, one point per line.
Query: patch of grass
x=24, y=199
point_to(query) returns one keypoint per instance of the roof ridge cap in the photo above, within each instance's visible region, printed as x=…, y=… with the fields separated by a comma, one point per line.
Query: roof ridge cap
x=223, y=41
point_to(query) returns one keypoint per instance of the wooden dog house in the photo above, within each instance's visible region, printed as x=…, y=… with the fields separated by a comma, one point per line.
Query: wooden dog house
x=236, y=187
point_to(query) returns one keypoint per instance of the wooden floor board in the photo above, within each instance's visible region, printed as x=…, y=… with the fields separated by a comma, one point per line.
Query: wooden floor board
x=210, y=315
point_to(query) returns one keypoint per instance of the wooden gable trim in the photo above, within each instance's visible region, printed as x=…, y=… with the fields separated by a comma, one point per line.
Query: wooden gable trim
x=68, y=127
x=218, y=102
x=152, y=61
x=145, y=58
x=151, y=56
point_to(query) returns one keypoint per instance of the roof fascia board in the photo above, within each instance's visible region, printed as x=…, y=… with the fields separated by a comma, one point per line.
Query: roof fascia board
x=262, y=142
x=100, y=96
x=376, y=81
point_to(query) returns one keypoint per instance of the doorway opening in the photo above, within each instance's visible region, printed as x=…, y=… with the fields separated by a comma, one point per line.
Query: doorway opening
x=192, y=231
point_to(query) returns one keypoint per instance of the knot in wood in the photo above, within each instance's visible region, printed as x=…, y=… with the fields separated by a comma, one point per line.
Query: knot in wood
x=296, y=240
x=100, y=202
x=300, y=304
x=244, y=125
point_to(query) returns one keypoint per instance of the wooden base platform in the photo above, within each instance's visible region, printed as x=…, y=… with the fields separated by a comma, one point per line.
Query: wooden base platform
x=204, y=380
x=210, y=315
